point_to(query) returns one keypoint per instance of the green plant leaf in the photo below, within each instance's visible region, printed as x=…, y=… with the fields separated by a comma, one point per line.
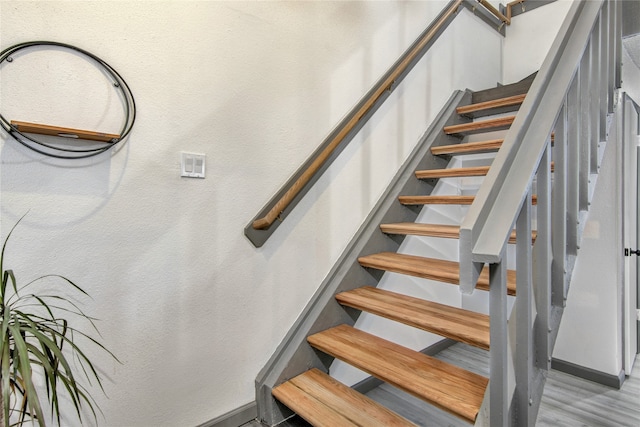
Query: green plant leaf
x=5, y=373
x=4, y=247
x=35, y=336
x=23, y=366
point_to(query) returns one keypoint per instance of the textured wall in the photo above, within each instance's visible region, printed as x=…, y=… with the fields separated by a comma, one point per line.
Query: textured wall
x=529, y=38
x=191, y=308
x=591, y=330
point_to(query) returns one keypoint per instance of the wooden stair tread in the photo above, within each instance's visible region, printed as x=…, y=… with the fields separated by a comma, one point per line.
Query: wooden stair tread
x=480, y=126
x=429, y=268
x=452, y=172
x=443, y=200
x=468, y=147
x=457, y=172
x=510, y=101
x=325, y=402
x=451, y=322
x=419, y=229
x=436, y=200
x=433, y=230
x=449, y=387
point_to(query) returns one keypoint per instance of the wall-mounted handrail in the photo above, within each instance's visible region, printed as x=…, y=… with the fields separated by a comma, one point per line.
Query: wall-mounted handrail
x=263, y=225
x=496, y=12
x=382, y=87
x=510, y=10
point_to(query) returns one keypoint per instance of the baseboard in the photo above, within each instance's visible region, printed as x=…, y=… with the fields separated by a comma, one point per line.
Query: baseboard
x=589, y=374
x=235, y=418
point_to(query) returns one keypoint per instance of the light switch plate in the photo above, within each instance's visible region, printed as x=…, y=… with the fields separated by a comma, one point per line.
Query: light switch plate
x=192, y=165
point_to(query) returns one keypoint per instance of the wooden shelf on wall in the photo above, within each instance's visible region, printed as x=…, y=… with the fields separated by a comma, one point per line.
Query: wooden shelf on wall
x=41, y=129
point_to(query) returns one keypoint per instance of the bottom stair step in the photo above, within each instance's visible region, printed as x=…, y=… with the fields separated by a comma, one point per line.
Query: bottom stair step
x=446, y=386
x=323, y=401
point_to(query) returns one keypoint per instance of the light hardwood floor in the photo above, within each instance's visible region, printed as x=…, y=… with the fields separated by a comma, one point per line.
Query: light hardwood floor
x=568, y=401
x=571, y=401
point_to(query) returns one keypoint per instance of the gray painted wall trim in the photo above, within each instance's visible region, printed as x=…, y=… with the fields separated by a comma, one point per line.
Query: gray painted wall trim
x=589, y=374
x=235, y=418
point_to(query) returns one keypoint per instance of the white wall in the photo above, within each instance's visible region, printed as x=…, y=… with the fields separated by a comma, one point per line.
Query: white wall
x=526, y=46
x=191, y=308
x=630, y=70
x=590, y=333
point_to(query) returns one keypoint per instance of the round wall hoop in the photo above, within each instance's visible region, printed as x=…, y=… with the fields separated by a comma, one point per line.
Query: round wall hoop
x=101, y=142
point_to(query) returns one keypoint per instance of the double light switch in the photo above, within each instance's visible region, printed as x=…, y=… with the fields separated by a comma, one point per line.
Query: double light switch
x=192, y=165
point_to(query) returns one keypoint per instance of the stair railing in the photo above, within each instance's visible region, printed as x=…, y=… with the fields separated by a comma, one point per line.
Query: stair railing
x=567, y=107
x=282, y=203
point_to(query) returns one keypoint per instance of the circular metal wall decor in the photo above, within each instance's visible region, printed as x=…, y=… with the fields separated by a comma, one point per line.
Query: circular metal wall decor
x=66, y=142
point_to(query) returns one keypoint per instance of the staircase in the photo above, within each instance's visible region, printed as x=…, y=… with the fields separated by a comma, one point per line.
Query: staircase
x=323, y=401
x=565, y=108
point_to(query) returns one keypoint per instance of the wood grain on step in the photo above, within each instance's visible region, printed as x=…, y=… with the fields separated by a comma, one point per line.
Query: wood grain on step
x=480, y=126
x=452, y=172
x=495, y=103
x=434, y=230
x=449, y=387
x=468, y=147
x=444, y=200
x=324, y=401
x=450, y=322
x=429, y=268
x=436, y=200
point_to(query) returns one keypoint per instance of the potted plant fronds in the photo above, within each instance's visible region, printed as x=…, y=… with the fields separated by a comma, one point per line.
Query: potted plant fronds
x=39, y=350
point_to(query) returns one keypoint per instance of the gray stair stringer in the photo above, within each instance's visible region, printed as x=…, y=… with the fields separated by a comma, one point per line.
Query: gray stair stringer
x=294, y=355
x=504, y=91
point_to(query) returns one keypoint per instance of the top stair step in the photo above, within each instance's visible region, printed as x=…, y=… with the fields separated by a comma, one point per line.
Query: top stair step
x=495, y=106
x=324, y=402
x=480, y=126
x=446, y=386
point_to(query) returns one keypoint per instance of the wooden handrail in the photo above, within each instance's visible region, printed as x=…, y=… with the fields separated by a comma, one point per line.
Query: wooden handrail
x=283, y=202
x=496, y=12
x=267, y=220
